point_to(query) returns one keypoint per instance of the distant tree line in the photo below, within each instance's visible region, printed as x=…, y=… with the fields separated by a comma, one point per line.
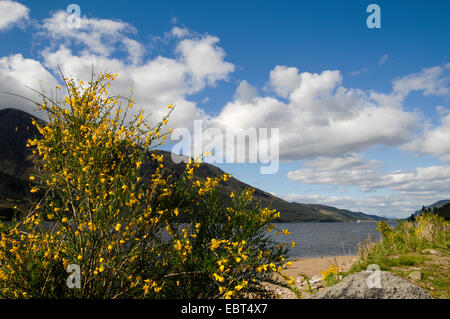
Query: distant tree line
x=443, y=211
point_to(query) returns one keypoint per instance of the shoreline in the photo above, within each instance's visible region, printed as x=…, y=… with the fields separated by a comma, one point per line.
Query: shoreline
x=312, y=266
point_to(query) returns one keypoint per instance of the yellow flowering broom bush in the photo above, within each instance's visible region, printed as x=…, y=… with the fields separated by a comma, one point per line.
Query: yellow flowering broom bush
x=97, y=211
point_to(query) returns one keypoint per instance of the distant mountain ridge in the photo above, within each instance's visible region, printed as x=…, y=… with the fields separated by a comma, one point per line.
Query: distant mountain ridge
x=433, y=206
x=16, y=164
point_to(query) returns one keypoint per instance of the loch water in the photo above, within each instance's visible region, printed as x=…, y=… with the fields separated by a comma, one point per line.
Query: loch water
x=328, y=239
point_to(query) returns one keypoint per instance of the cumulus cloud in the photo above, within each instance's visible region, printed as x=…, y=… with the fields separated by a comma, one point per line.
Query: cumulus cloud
x=432, y=81
x=12, y=13
x=17, y=76
x=284, y=80
x=156, y=82
x=96, y=36
x=204, y=61
x=409, y=188
x=346, y=170
x=321, y=117
x=245, y=92
x=434, y=140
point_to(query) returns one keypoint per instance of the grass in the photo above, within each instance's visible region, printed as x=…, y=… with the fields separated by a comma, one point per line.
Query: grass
x=401, y=251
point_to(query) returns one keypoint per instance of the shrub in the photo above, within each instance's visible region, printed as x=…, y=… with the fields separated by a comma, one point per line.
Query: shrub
x=408, y=237
x=98, y=212
x=330, y=276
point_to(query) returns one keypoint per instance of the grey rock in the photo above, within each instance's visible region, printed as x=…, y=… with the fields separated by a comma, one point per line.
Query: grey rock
x=315, y=280
x=431, y=252
x=356, y=287
x=415, y=275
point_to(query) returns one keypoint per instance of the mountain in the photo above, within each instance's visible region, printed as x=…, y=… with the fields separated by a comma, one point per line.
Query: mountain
x=443, y=211
x=432, y=207
x=16, y=164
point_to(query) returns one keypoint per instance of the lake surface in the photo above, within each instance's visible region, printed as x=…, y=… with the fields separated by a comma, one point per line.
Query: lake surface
x=327, y=239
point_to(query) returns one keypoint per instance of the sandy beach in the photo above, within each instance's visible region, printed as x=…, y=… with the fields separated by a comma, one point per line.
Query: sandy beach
x=313, y=266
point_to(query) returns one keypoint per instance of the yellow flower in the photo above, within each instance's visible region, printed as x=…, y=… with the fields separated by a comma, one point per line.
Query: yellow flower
x=291, y=280
x=218, y=277
x=80, y=257
x=177, y=245
x=118, y=226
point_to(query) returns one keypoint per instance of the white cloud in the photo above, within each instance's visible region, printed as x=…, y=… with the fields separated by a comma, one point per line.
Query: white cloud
x=432, y=81
x=180, y=32
x=442, y=110
x=383, y=59
x=16, y=74
x=321, y=117
x=97, y=36
x=408, y=189
x=353, y=170
x=12, y=13
x=204, y=61
x=348, y=170
x=284, y=80
x=156, y=82
x=434, y=140
x=245, y=92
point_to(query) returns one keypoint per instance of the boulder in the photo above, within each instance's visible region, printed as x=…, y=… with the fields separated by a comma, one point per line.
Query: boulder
x=358, y=286
x=415, y=275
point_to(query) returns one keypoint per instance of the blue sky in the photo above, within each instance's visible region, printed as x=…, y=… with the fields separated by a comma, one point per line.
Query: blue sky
x=312, y=69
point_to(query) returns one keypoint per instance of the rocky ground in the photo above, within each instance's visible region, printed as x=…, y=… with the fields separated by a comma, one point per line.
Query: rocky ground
x=308, y=281
x=389, y=286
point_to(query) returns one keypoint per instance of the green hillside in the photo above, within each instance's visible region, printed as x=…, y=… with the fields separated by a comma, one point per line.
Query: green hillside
x=16, y=164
